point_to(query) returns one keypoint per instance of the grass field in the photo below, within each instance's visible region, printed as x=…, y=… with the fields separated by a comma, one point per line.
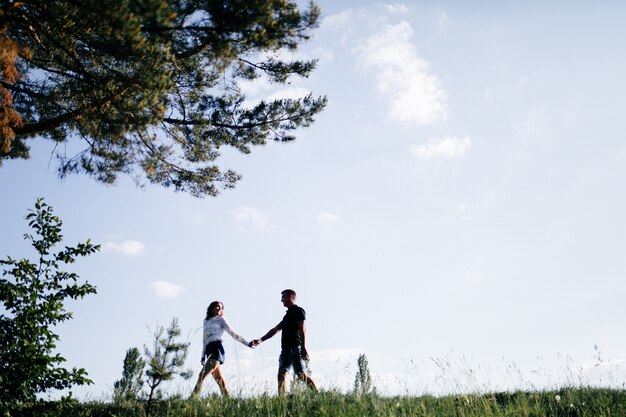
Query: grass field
x=566, y=402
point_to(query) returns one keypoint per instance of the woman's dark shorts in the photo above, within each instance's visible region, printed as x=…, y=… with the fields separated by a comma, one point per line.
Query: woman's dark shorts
x=215, y=351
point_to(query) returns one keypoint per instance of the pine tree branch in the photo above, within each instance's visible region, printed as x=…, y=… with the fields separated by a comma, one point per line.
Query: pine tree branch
x=54, y=122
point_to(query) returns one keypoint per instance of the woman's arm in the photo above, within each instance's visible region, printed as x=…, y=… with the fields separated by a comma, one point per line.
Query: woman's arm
x=230, y=331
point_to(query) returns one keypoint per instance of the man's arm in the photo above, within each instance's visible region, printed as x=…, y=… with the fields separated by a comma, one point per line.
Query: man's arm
x=302, y=327
x=267, y=335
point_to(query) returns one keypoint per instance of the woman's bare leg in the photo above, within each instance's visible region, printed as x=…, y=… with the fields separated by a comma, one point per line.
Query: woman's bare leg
x=219, y=378
x=208, y=368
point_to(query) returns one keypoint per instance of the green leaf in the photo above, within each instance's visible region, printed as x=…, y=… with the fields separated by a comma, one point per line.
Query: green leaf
x=33, y=297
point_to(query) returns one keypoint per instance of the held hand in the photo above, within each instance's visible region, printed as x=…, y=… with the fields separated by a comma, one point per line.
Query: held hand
x=252, y=344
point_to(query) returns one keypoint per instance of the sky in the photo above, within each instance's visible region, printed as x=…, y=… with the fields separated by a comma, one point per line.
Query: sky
x=456, y=213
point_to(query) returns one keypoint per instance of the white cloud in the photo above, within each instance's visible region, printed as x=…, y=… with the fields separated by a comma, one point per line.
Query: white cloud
x=448, y=147
x=324, y=55
x=249, y=216
x=254, y=89
x=443, y=20
x=262, y=89
x=289, y=93
x=396, y=8
x=329, y=223
x=343, y=20
x=164, y=289
x=127, y=247
x=468, y=209
x=324, y=218
x=403, y=78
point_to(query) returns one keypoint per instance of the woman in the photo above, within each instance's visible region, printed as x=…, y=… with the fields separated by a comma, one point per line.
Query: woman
x=213, y=354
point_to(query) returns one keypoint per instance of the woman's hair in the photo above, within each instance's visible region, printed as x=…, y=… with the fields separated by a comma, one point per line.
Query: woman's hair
x=209, y=310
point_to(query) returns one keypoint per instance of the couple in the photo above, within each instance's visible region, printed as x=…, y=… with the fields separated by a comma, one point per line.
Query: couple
x=293, y=344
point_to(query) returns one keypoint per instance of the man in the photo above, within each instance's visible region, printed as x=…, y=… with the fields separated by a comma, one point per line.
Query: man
x=293, y=342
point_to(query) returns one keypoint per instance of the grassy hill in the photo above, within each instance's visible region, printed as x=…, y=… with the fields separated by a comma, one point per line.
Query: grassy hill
x=566, y=402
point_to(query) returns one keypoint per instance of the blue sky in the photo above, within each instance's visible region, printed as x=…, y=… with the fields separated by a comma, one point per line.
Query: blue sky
x=458, y=205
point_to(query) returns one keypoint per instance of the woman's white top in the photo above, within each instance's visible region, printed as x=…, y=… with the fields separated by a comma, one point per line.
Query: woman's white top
x=214, y=328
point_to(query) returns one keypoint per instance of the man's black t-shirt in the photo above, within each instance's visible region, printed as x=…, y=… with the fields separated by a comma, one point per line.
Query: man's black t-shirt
x=292, y=336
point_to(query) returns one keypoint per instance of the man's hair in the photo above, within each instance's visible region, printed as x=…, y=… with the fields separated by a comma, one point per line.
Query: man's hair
x=290, y=293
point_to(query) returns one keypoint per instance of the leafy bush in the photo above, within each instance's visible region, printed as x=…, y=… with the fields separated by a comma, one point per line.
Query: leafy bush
x=33, y=295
